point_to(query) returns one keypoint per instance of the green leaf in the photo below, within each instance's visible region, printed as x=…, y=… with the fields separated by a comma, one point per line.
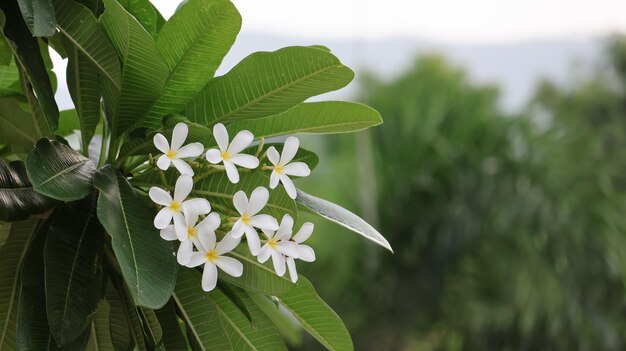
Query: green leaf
x=6, y=55
x=173, y=338
x=193, y=43
x=343, y=217
x=130, y=312
x=316, y=317
x=10, y=78
x=268, y=83
x=100, y=339
x=145, y=13
x=11, y=258
x=79, y=26
x=147, y=262
x=68, y=122
x=118, y=323
x=143, y=70
x=84, y=88
x=56, y=170
x=39, y=16
x=19, y=127
x=286, y=324
x=28, y=57
x=199, y=312
x=312, y=117
x=74, y=276
x=151, y=327
x=18, y=200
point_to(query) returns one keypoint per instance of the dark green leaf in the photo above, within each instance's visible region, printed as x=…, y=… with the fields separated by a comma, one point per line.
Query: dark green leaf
x=58, y=171
x=234, y=294
x=143, y=71
x=11, y=258
x=74, y=276
x=343, y=217
x=312, y=117
x=100, y=339
x=193, y=43
x=39, y=16
x=152, y=330
x=118, y=323
x=19, y=127
x=146, y=261
x=286, y=324
x=18, y=200
x=173, y=338
x=316, y=317
x=268, y=83
x=129, y=310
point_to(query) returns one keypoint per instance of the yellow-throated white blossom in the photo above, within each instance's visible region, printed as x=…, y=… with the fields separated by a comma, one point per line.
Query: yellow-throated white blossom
x=173, y=207
x=277, y=246
x=283, y=168
x=249, y=219
x=229, y=154
x=211, y=255
x=173, y=153
x=190, y=236
x=304, y=252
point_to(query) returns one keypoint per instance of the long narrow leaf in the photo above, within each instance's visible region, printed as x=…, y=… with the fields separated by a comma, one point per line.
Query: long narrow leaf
x=39, y=16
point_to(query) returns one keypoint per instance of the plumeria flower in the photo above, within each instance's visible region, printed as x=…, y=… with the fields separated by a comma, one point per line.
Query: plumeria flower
x=278, y=245
x=172, y=154
x=249, y=219
x=305, y=252
x=189, y=237
x=230, y=154
x=211, y=255
x=283, y=169
x=174, y=206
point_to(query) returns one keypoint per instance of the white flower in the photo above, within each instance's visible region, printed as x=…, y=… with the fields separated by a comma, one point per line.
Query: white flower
x=278, y=245
x=282, y=167
x=211, y=255
x=305, y=252
x=249, y=218
x=174, y=152
x=174, y=206
x=189, y=237
x=230, y=154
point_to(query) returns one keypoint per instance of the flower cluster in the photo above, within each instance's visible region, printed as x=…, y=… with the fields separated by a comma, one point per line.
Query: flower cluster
x=196, y=225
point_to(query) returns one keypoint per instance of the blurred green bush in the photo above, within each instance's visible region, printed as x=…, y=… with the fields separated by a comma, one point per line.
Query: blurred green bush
x=509, y=229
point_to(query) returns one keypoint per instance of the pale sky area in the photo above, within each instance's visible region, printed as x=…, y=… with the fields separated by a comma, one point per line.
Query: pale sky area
x=458, y=21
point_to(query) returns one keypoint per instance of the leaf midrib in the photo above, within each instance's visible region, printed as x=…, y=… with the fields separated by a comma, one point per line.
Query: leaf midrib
x=64, y=171
x=130, y=241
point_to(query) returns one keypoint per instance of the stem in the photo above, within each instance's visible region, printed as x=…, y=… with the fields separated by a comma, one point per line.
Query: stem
x=261, y=144
x=105, y=136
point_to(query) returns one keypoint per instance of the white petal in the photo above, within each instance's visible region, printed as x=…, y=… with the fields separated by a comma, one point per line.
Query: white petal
x=240, y=200
x=209, y=277
x=238, y=229
x=298, y=169
x=163, y=218
x=274, y=179
x=179, y=136
x=230, y=265
x=227, y=244
x=160, y=141
x=197, y=206
x=245, y=161
x=168, y=233
x=184, y=252
x=289, y=150
x=273, y=155
x=268, y=233
x=304, y=233
x=196, y=259
x=279, y=263
x=183, y=187
x=254, y=244
x=231, y=172
x=258, y=199
x=190, y=150
x=221, y=136
x=163, y=162
x=264, y=254
x=288, y=249
x=160, y=196
x=289, y=187
x=264, y=221
x=291, y=265
x=183, y=167
x=207, y=240
x=306, y=253
x=214, y=156
x=241, y=141
x=191, y=216
x=180, y=225
x=285, y=229
x=211, y=221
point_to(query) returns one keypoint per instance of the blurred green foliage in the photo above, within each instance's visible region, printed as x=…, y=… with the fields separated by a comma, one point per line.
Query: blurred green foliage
x=509, y=229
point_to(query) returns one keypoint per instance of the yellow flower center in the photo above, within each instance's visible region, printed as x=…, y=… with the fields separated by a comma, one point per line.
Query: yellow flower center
x=191, y=232
x=245, y=219
x=175, y=206
x=211, y=255
x=171, y=154
x=279, y=168
x=225, y=155
x=272, y=243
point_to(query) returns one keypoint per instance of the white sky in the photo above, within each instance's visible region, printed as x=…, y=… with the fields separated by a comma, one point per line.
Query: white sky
x=467, y=21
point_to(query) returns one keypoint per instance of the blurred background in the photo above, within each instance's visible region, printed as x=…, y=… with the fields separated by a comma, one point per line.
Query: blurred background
x=498, y=176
